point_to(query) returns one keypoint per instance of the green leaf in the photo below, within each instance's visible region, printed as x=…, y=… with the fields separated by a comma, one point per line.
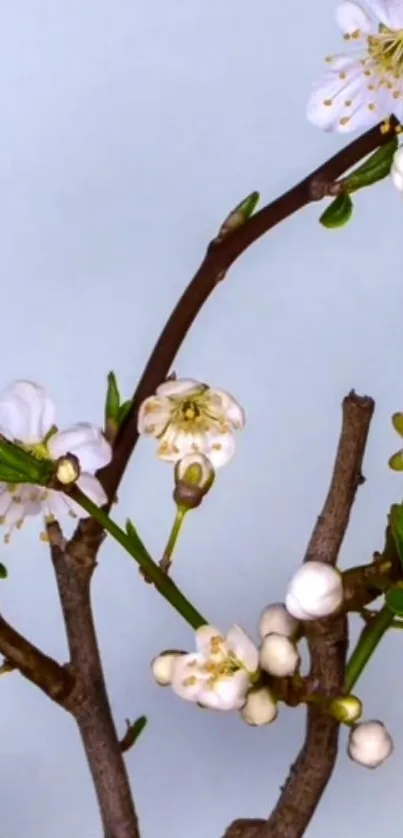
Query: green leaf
x=3, y=571
x=338, y=212
x=376, y=168
x=396, y=526
x=239, y=215
x=20, y=466
x=397, y=422
x=112, y=403
x=132, y=733
x=394, y=600
x=123, y=411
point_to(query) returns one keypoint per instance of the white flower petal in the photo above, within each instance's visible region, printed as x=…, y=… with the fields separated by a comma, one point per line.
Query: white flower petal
x=57, y=505
x=186, y=679
x=389, y=12
x=219, y=448
x=162, y=667
x=5, y=499
x=275, y=618
x=26, y=412
x=154, y=415
x=314, y=591
x=260, y=707
x=210, y=643
x=222, y=404
x=340, y=104
x=351, y=17
x=88, y=444
x=176, y=443
x=278, y=656
x=227, y=693
x=243, y=648
x=179, y=387
x=370, y=744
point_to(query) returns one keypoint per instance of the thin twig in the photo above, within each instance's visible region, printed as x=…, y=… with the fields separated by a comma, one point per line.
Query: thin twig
x=91, y=710
x=19, y=653
x=327, y=640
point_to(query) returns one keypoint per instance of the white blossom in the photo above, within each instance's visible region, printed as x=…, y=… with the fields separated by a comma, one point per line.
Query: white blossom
x=275, y=618
x=188, y=417
x=27, y=418
x=162, y=667
x=260, y=707
x=397, y=169
x=370, y=744
x=365, y=85
x=278, y=655
x=315, y=591
x=219, y=674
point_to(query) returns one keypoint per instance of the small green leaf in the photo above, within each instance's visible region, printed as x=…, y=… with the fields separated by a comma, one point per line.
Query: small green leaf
x=395, y=462
x=396, y=526
x=397, y=422
x=376, y=168
x=123, y=411
x=20, y=466
x=337, y=213
x=112, y=403
x=239, y=215
x=134, y=729
x=394, y=600
x=3, y=571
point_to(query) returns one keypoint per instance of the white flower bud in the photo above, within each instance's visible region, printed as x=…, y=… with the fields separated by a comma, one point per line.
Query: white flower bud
x=315, y=591
x=397, y=169
x=162, y=667
x=278, y=656
x=276, y=619
x=370, y=744
x=346, y=709
x=260, y=707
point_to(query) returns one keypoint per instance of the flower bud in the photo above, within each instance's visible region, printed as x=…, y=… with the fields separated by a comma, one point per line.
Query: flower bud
x=397, y=169
x=194, y=476
x=68, y=470
x=260, y=707
x=315, y=591
x=278, y=656
x=162, y=667
x=346, y=709
x=370, y=744
x=276, y=619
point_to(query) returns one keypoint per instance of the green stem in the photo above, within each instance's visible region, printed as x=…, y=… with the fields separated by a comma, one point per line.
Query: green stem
x=367, y=643
x=166, y=560
x=135, y=547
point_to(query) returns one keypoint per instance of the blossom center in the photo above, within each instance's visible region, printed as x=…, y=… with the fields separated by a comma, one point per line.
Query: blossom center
x=386, y=51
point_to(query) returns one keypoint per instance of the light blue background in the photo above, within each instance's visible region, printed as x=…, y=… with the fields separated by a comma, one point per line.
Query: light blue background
x=127, y=132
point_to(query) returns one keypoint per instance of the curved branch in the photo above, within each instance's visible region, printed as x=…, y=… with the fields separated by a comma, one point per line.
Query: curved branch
x=327, y=640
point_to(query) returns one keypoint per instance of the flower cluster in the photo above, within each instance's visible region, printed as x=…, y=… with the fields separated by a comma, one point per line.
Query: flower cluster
x=27, y=418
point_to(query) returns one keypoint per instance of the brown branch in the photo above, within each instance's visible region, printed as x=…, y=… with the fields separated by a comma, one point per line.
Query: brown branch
x=41, y=670
x=327, y=640
x=74, y=566
x=219, y=257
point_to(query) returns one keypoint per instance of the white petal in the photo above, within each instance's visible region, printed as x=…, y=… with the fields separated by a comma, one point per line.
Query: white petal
x=370, y=744
x=176, y=443
x=260, y=707
x=84, y=440
x=5, y=499
x=162, y=667
x=26, y=412
x=56, y=505
x=210, y=643
x=351, y=17
x=340, y=104
x=389, y=12
x=154, y=415
x=228, y=692
x=219, y=448
x=179, y=387
x=91, y=487
x=243, y=648
x=222, y=404
x=314, y=591
x=275, y=618
x=278, y=656
x=186, y=679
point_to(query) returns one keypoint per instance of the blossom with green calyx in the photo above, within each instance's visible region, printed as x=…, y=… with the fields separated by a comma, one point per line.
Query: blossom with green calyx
x=194, y=477
x=115, y=410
